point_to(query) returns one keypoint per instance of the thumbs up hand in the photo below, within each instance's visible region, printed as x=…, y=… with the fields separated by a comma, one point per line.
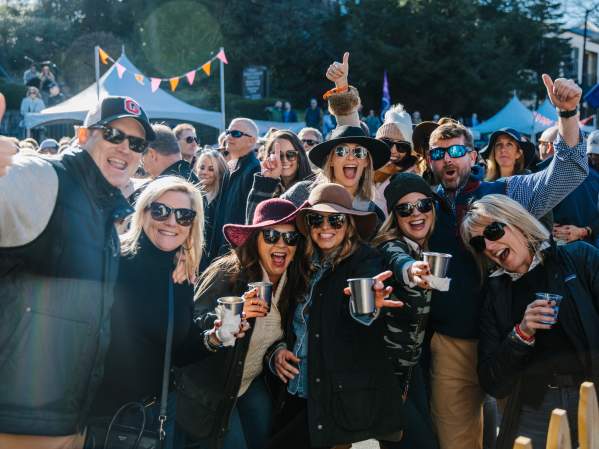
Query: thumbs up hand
x=338, y=71
x=564, y=94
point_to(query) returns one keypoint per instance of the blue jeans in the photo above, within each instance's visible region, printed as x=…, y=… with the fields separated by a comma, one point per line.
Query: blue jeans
x=250, y=421
x=534, y=421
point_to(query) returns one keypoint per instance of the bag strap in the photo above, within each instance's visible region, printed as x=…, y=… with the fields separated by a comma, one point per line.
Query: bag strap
x=167, y=360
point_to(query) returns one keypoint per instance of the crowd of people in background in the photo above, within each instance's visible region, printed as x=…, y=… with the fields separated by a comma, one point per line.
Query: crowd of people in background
x=133, y=259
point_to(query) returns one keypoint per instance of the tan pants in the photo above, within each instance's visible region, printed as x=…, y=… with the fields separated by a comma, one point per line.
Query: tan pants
x=10, y=441
x=456, y=396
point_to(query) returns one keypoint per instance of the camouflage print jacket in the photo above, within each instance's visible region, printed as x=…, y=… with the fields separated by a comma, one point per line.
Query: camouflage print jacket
x=405, y=327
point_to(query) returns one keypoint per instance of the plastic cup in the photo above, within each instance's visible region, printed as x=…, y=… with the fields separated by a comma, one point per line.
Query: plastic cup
x=438, y=263
x=556, y=299
x=362, y=295
x=264, y=291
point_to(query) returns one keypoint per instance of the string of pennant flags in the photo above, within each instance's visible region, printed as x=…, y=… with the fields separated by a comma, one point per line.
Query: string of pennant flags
x=156, y=82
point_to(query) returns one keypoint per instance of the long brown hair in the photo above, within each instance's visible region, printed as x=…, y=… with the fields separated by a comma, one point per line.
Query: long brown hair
x=242, y=265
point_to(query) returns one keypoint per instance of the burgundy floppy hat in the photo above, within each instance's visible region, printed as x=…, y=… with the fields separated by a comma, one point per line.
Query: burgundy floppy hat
x=268, y=213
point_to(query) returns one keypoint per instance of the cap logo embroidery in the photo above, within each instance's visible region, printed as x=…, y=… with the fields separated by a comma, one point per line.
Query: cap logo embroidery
x=132, y=107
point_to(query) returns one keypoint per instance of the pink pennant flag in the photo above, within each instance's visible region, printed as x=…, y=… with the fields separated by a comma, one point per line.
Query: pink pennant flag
x=191, y=76
x=120, y=70
x=222, y=57
x=155, y=84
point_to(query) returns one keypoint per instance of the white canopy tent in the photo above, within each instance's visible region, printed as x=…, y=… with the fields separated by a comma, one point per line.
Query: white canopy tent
x=159, y=105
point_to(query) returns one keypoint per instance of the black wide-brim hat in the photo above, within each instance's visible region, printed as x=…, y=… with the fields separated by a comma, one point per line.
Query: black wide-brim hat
x=528, y=148
x=379, y=151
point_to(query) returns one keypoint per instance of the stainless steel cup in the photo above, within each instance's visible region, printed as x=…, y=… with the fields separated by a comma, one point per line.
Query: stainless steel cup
x=232, y=303
x=438, y=263
x=264, y=291
x=362, y=295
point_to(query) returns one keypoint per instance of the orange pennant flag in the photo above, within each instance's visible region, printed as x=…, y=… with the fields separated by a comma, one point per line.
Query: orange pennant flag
x=206, y=68
x=174, y=83
x=140, y=78
x=103, y=56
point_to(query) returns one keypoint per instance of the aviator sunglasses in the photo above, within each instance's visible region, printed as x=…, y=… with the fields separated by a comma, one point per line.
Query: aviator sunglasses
x=493, y=232
x=454, y=151
x=405, y=209
x=161, y=212
x=335, y=220
x=272, y=236
x=116, y=136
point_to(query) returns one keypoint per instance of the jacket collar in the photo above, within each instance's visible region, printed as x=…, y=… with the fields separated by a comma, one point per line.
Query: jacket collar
x=78, y=162
x=244, y=161
x=181, y=167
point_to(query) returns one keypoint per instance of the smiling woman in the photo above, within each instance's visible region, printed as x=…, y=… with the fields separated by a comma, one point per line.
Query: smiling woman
x=539, y=320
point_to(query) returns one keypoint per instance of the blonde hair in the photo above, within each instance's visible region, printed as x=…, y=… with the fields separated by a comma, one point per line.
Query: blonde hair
x=346, y=248
x=390, y=230
x=192, y=248
x=366, y=184
x=220, y=168
x=493, y=171
x=503, y=209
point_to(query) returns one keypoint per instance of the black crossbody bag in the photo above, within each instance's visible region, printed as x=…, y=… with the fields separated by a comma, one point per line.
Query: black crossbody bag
x=114, y=435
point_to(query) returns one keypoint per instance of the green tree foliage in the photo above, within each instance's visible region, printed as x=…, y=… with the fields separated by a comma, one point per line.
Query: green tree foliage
x=449, y=57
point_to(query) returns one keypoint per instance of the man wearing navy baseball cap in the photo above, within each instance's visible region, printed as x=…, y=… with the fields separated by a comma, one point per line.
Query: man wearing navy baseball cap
x=59, y=254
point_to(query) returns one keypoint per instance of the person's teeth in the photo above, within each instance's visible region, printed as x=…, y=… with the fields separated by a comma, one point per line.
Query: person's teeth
x=417, y=222
x=117, y=163
x=167, y=233
x=499, y=253
x=326, y=235
x=278, y=254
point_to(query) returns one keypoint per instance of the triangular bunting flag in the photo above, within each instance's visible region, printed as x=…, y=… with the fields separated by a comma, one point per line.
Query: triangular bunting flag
x=140, y=78
x=222, y=57
x=206, y=68
x=191, y=76
x=174, y=83
x=120, y=69
x=155, y=84
x=103, y=56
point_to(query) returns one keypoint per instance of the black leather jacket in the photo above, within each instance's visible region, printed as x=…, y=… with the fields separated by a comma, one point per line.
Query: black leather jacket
x=56, y=293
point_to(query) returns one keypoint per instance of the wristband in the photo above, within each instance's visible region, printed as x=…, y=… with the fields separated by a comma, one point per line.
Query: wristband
x=529, y=340
x=209, y=345
x=567, y=114
x=335, y=90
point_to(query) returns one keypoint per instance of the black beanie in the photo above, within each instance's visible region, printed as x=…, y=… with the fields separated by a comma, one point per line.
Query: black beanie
x=404, y=183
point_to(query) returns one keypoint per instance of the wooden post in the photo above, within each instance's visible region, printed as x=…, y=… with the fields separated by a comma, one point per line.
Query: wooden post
x=558, y=436
x=588, y=417
x=522, y=443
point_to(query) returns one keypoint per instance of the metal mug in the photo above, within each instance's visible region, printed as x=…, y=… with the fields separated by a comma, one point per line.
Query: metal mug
x=264, y=291
x=362, y=300
x=438, y=263
x=232, y=303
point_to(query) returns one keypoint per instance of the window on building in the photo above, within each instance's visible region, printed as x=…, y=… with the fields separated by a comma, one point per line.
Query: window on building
x=590, y=77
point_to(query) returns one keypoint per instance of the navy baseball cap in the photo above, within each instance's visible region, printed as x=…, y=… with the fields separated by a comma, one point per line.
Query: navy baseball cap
x=113, y=108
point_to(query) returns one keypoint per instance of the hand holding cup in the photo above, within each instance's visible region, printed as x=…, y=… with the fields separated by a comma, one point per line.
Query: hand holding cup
x=381, y=293
x=254, y=307
x=535, y=316
x=417, y=271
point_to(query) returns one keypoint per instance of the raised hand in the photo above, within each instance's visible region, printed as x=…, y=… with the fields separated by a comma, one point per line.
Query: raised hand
x=254, y=307
x=564, y=93
x=283, y=364
x=271, y=165
x=338, y=71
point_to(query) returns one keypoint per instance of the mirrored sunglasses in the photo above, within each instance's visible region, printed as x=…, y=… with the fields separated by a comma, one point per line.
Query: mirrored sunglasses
x=161, y=212
x=357, y=152
x=493, y=232
x=454, y=151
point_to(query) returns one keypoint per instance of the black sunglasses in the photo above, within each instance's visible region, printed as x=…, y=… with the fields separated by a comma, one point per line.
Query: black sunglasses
x=310, y=142
x=116, y=136
x=272, y=236
x=161, y=212
x=336, y=221
x=492, y=232
x=405, y=209
x=401, y=145
x=235, y=133
x=290, y=155
x=190, y=139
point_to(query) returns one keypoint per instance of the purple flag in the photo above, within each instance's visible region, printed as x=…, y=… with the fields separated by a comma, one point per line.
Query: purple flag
x=386, y=98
